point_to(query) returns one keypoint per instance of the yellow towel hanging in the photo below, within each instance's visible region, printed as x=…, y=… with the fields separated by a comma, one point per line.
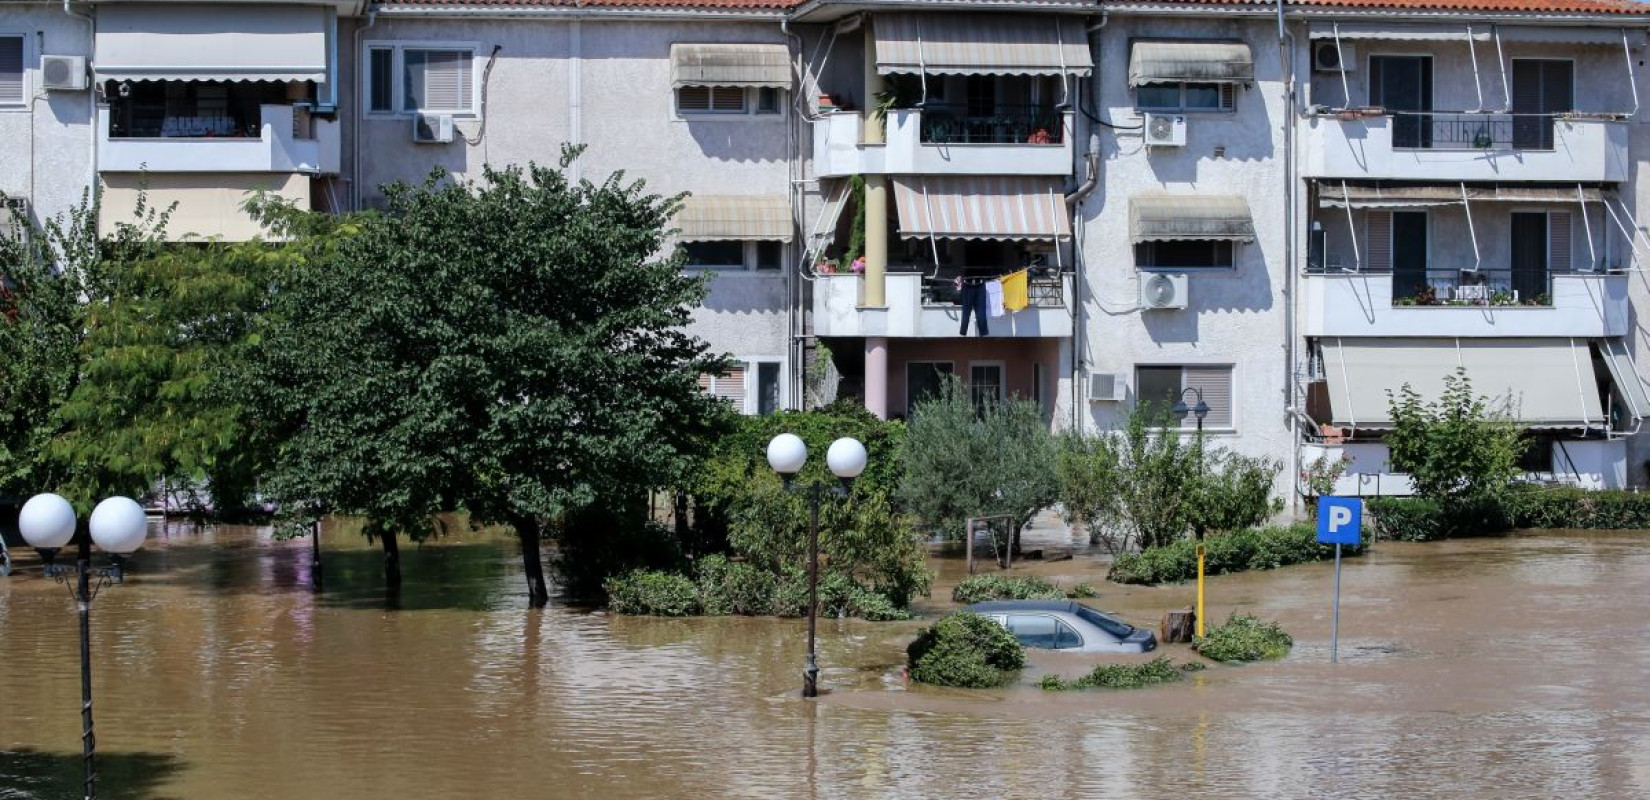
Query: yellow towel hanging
x=1015, y=294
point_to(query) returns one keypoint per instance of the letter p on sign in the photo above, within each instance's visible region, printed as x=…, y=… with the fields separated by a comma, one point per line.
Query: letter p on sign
x=1340, y=520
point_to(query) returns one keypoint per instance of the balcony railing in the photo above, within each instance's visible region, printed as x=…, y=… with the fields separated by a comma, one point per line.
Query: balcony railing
x=1044, y=289
x=1456, y=130
x=912, y=308
x=956, y=123
x=288, y=140
x=1485, y=286
x=1486, y=303
x=1458, y=146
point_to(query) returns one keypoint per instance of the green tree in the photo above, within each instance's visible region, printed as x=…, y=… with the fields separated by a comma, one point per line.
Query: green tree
x=964, y=460
x=1455, y=448
x=513, y=347
x=1131, y=486
x=1232, y=492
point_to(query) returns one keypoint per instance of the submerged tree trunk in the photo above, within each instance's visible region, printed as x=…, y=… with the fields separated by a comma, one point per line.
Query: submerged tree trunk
x=392, y=560
x=527, y=531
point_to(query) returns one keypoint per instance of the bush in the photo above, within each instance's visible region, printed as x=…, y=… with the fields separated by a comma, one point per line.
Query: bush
x=607, y=538
x=981, y=588
x=1082, y=590
x=660, y=594
x=1579, y=508
x=1122, y=676
x=1244, y=638
x=731, y=587
x=1260, y=548
x=1455, y=448
x=965, y=650
x=1413, y=519
x=1233, y=492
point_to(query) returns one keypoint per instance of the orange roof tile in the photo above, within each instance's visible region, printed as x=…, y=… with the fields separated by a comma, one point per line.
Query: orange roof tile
x=1491, y=6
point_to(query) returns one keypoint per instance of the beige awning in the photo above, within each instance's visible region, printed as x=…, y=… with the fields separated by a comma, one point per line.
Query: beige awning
x=1172, y=217
x=1604, y=37
x=981, y=207
x=1630, y=386
x=706, y=218
x=1540, y=383
x=211, y=42
x=1333, y=195
x=1191, y=61
x=766, y=65
x=1388, y=32
x=981, y=44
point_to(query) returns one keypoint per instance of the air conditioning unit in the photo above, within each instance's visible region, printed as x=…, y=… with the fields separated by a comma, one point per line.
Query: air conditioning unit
x=63, y=73
x=1328, y=57
x=1165, y=130
x=1105, y=387
x=1161, y=291
x=433, y=128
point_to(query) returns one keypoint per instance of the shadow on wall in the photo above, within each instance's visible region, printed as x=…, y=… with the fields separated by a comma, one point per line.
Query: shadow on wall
x=759, y=139
x=57, y=776
x=745, y=293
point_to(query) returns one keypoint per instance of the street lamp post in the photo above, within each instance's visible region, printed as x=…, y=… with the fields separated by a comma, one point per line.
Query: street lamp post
x=118, y=526
x=1200, y=410
x=846, y=458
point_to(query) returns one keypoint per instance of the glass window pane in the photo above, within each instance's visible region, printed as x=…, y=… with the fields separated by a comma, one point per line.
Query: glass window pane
x=412, y=79
x=1033, y=630
x=1157, y=388
x=11, y=69
x=767, y=387
x=1203, y=95
x=715, y=255
x=1158, y=96
x=1184, y=254
x=922, y=379
x=770, y=255
x=767, y=100
x=380, y=77
x=1066, y=637
x=985, y=383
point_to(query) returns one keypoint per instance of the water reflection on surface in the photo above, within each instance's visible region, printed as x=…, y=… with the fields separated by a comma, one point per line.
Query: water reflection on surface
x=1486, y=668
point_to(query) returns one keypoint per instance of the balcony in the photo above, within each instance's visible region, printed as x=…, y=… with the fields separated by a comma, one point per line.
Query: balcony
x=1590, y=305
x=926, y=310
x=946, y=140
x=1464, y=147
x=277, y=149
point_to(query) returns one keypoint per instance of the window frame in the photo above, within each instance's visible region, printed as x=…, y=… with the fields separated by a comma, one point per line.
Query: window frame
x=752, y=259
x=1231, y=261
x=750, y=112
x=27, y=66
x=1188, y=425
x=1224, y=91
x=398, y=68
x=1002, y=378
x=933, y=363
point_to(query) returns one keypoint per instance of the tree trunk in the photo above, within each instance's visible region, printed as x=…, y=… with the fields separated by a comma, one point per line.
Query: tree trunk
x=527, y=531
x=392, y=560
x=679, y=510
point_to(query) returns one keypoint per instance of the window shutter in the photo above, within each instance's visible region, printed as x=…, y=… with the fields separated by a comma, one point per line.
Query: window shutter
x=11, y=69
x=1216, y=385
x=1228, y=96
x=704, y=382
x=727, y=98
x=1558, y=242
x=447, y=80
x=1378, y=241
x=731, y=386
x=693, y=98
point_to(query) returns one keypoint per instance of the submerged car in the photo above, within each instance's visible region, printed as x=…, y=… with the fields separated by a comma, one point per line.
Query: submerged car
x=1065, y=625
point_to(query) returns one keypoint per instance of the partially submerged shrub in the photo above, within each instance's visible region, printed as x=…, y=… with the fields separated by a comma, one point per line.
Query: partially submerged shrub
x=1244, y=638
x=732, y=587
x=1081, y=590
x=981, y=588
x=1414, y=519
x=661, y=594
x=1122, y=676
x=965, y=650
x=1261, y=548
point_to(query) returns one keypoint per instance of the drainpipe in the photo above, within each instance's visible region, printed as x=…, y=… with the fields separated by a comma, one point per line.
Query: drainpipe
x=876, y=237
x=91, y=110
x=793, y=192
x=330, y=106
x=1091, y=181
x=360, y=117
x=1291, y=278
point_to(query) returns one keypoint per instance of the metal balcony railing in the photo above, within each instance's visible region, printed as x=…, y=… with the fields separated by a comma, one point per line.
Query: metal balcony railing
x=1044, y=289
x=956, y=123
x=1453, y=130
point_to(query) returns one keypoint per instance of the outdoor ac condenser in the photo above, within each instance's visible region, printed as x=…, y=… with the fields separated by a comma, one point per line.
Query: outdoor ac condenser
x=63, y=73
x=1105, y=387
x=432, y=128
x=1165, y=130
x=1161, y=291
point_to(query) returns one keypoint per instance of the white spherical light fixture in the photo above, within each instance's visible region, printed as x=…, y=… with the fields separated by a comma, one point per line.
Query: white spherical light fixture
x=47, y=522
x=846, y=457
x=119, y=525
x=787, y=454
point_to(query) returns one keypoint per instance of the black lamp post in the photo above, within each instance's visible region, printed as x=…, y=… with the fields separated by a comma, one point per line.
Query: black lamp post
x=118, y=526
x=1201, y=410
x=846, y=457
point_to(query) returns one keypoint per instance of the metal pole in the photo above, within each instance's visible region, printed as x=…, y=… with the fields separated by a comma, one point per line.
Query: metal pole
x=1200, y=471
x=1335, y=616
x=810, y=674
x=83, y=596
x=315, y=555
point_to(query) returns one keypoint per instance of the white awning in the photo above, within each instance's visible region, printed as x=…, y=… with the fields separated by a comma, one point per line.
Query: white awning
x=766, y=65
x=705, y=218
x=981, y=207
x=1540, y=383
x=1390, y=32
x=1190, y=61
x=1605, y=37
x=1181, y=217
x=1630, y=385
x=981, y=44
x=1332, y=195
x=211, y=42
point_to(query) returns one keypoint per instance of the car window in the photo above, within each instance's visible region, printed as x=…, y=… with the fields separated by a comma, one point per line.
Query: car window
x=1065, y=636
x=1034, y=630
x=1114, y=627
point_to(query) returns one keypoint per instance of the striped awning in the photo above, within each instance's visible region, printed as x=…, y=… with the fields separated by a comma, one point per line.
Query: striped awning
x=1388, y=32
x=981, y=44
x=767, y=65
x=1540, y=383
x=981, y=207
x=1190, y=61
x=705, y=218
x=1334, y=195
x=211, y=42
x=1630, y=388
x=1180, y=217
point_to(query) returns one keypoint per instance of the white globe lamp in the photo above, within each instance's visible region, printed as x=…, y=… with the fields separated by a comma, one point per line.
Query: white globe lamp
x=119, y=526
x=787, y=454
x=846, y=458
x=47, y=522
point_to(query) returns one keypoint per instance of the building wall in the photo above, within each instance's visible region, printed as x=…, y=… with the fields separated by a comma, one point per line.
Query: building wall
x=1016, y=355
x=202, y=205
x=46, y=148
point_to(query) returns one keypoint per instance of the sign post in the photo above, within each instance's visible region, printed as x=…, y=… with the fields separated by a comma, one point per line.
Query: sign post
x=1340, y=521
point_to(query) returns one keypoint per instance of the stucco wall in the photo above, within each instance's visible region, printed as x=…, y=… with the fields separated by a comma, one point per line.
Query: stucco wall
x=46, y=147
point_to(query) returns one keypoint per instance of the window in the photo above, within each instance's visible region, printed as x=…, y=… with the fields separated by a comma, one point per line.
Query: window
x=1065, y=636
x=767, y=100
x=985, y=383
x=729, y=386
x=190, y=109
x=715, y=255
x=1160, y=387
x=770, y=255
x=12, y=90
x=422, y=78
x=1184, y=254
x=924, y=378
x=1186, y=97
x=729, y=101
x=767, y=387
x=1043, y=632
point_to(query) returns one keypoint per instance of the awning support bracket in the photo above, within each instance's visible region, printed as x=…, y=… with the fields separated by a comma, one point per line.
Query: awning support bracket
x=1472, y=232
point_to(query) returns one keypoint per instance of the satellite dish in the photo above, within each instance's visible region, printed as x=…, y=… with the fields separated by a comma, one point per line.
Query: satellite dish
x=1159, y=290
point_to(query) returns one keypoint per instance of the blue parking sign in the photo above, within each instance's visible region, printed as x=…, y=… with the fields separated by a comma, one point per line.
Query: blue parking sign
x=1340, y=520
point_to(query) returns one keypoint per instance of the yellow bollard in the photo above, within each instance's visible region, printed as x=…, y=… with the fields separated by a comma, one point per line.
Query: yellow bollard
x=1200, y=591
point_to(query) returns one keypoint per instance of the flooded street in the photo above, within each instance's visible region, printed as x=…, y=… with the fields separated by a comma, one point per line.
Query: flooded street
x=1493, y=668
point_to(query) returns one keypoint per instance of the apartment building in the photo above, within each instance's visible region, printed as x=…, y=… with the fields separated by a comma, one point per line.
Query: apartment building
x=1281, y=213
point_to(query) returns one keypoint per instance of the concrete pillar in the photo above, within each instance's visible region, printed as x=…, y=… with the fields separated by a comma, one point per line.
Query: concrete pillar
x=876, y=188
x=876, y=376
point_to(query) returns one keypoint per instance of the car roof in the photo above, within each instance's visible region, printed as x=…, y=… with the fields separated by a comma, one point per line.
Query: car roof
x=990, y=606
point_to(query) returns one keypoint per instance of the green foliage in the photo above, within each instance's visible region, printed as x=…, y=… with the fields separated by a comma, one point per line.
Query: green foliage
x=732, y=587
x=965, y=650
x=1415, y=519
x=980, y=588
x=603, y=539
x=856, y=229
x=1232, y=492
x=1454, y=449
x=1122, y=676
x=965, y=460
x=1320, y=477
x=1083, y=590
x=1579, y=509
x=1262, y=548
x=1244, y=638
x=654, y=593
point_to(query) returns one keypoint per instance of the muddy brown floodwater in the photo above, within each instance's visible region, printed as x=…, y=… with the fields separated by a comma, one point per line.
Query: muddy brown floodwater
x=1492, y=668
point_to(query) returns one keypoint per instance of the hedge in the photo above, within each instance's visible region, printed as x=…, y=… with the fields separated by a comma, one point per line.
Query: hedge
x=1122, y=676
x=1580, y=508
x=1412, y=519
x=965, y=650
x=1258, y=548
x=728, y=587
